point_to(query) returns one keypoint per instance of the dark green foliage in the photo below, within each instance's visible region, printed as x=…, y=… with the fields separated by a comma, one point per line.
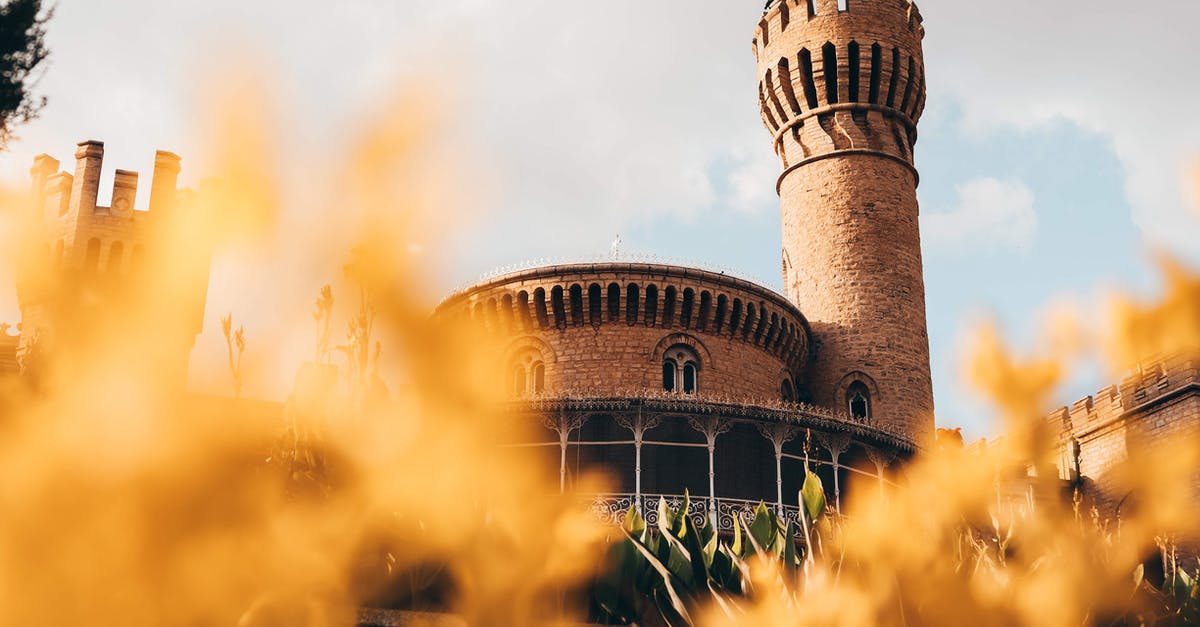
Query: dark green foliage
x=22, y=51
x=660, y=575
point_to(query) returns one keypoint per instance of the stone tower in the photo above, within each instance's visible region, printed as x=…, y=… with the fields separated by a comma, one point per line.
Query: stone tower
x=841, y=87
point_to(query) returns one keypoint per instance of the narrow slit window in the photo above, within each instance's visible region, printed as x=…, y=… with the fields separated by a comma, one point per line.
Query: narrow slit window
x=594, y=305
x=910, y=83
x=891, y=98
x=852, y=95
x=806, y=76
x=689, y=303
x=830, y=72
x=785, y=83
x=632, y=302
x=651, y=305
x=577, y=305
x=556, y=302
x=876, y=68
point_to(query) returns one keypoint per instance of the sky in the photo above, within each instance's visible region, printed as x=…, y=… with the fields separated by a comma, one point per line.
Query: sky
x=1054, y=152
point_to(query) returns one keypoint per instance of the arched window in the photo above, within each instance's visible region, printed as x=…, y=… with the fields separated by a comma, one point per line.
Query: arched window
x=539, y=377
x=689, y=378
x=681, y=370
x=116, y=255
x=519, y=380
x=786, y=393
x=91, y=260
x=858, y=401
x=527, y=374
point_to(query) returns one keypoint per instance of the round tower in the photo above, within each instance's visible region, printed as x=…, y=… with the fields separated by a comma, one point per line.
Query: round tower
x=841, y=87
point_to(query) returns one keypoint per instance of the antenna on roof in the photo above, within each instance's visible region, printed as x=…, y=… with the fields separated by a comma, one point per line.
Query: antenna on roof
x=615, y=249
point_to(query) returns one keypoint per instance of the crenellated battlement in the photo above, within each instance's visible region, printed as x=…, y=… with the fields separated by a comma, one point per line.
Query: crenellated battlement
x=1150, y=383
x=780, y=15
x=81, y=233
x=93, y=258
x=74, y=196
x=841, y=77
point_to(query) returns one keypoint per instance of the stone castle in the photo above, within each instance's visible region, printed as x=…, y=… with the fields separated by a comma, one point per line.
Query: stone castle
x=675, y=378
x=88, y=250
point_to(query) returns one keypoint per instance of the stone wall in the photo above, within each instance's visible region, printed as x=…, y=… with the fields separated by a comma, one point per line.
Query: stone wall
x=1154, y=408
x=604, y=328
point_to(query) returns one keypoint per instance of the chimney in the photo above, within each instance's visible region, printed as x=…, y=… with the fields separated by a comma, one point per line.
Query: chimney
x=124, y=192
x=44, y=167
x=166, y=178
x=89, y=157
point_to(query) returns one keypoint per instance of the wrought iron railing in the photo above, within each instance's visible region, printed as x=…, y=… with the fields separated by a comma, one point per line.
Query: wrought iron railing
x=799, y=414
x=612, y=508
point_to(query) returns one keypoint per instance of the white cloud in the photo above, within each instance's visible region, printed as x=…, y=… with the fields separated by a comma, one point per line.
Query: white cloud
x=752, y=182
x=991, y=214
x=1118, y=68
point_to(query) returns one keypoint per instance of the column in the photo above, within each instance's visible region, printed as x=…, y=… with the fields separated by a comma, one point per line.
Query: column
x=836, y=444
x=563, y=424
x=711, y=427
x=779, y=434
x=881, y=460
x=639, y=424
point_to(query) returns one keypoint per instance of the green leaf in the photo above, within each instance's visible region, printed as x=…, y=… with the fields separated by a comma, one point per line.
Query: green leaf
x=681, y=528
x=764, y=522
x=790, y=559
x=700, y=562
x=709, y=548
x=634, y=523
x=762, y=530
x=736, y=547
x=666, y=517
x=676, y=603
x=813, y=496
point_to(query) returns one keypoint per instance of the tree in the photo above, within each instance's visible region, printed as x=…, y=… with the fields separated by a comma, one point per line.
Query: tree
x=22, y=51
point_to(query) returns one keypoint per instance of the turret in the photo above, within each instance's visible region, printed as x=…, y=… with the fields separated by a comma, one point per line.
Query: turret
x=166, y=177
x=841, y=88
x=94, y=257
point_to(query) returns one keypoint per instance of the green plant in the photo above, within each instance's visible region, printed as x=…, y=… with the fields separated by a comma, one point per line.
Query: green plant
x=657, y=575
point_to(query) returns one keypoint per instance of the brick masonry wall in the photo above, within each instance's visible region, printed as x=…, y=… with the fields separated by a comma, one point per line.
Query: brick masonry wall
x=860, y=283
x=612, y=347
x=1149, y=412
x=841, y=93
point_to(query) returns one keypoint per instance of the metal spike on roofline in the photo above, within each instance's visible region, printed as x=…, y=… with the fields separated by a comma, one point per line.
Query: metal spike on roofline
x=620, y=256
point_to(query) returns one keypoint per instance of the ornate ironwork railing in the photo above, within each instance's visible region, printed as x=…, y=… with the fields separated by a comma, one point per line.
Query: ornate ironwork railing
x=757, y=410
x=613, y=507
